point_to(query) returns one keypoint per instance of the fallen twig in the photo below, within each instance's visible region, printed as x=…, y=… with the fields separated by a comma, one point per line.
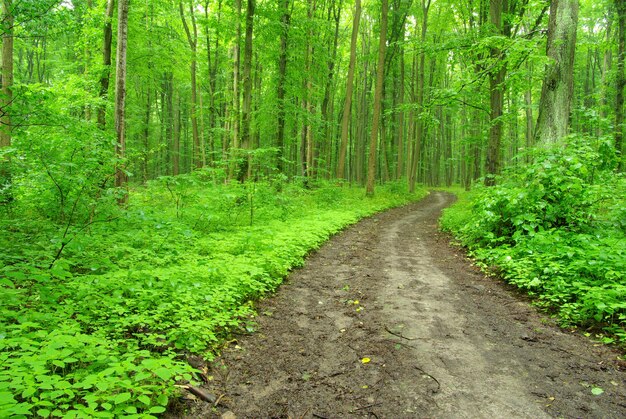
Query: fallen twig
x=398, y=334
x=431, y=377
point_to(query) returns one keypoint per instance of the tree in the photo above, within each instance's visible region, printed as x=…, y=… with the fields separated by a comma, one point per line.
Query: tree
x=620, y=83
x=380, y=78
x=120, y=93
x=106, y=62
x=6, y=99
x=285, y=20
x=556, y=92
x=347, y=107
x=192, y=39
x=496, y=90
x=245, y=168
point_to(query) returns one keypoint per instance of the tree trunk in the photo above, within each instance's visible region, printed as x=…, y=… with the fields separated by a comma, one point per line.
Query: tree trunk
x=120, y=95
x=496, y=90
x=347, y=106
x=236, y=102
x=192, y=39
x=380, y=77
x=247, y=90
x=285, y=20
x=106, y=63
x=419, y=97
x=6, y=99
x=557, y=89
x=620, y=82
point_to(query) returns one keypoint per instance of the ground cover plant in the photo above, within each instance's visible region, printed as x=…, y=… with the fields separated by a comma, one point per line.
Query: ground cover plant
x=556, y=228
x=99, y=309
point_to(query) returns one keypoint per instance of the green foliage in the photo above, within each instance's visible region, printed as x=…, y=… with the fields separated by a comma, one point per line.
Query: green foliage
x=556, y=229
x=102, y=332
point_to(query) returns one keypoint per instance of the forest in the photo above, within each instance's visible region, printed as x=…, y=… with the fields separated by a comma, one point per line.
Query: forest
x=164, y=164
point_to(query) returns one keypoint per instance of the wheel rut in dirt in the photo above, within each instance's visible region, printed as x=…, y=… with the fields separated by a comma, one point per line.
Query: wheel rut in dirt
x=387, y=320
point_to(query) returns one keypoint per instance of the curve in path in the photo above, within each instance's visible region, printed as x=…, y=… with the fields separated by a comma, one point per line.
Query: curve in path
x=388, y=321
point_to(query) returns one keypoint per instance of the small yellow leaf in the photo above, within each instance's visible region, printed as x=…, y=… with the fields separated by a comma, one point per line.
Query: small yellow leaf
x=364, y=386
x=356, y=302
x=365, y=360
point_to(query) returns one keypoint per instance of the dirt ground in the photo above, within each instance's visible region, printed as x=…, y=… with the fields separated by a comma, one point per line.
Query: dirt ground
x=442, y=340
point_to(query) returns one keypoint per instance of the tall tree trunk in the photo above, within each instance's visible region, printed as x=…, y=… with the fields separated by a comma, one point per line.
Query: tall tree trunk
x=120, y=94
x=106, y=63
x=247, y=90
x=380, y=78
x=6, y=99
x=347, y=106
x=400, y=118
x=212, y=66
x=557, y=89
x=334, y=10
x=419, y=96
x=620, y=82
x=285, y=20
x=236, y=102
x=192, y=39
x=528, y=105
x=496, y=91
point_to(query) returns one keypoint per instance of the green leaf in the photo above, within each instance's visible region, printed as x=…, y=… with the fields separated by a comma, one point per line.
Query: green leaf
x=121, y=398
x=157, y=409
x=43, y=413
x=596, y=391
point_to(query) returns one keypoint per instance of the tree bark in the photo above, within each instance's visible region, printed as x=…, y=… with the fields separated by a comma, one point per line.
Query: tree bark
x=192, y=39
x=380, y=77
x=247, y=90
x=106, y=63
x=6, y=100
x=496, y=90
x=285, y=20
x=120, y=94
x=236, y=102
x=557, y=89
x=347, y=106
x=620, y=82
x=419, y=97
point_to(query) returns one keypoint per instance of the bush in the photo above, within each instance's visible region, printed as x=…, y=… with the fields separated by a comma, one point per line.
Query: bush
x=555, y=228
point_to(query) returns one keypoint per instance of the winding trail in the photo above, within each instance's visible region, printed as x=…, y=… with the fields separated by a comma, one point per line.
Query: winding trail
x=443, y=340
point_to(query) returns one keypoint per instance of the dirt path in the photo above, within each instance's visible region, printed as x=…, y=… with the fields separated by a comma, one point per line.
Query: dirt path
x=443, y=340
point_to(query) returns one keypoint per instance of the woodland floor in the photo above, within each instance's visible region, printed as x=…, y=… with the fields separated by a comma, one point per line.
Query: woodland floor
x=444, y=340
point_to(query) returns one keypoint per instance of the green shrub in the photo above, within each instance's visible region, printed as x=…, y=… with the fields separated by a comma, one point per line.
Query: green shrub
x=556, y=229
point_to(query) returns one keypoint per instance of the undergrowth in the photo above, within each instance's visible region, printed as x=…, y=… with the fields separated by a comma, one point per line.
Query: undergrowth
x=557, y=229
x=98, y=312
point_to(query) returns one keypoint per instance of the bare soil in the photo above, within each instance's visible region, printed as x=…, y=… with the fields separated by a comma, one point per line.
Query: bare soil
x=442, y=340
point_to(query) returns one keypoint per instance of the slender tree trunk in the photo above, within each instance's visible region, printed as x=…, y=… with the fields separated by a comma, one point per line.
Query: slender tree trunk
x=6, y=99
x=620, y=82
x=557, y=89
x=146, y=136
x=607, y=63
x=380, y=78
x=419, y=95
x=347, y=106
x=192, y=39
x=236, y=100
x=247, y=90
x=120, y=95
x=496, y=89
x=400, y=119
x=528, y=104
x=285, y=20
x=334, y=10
x=106, y=63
